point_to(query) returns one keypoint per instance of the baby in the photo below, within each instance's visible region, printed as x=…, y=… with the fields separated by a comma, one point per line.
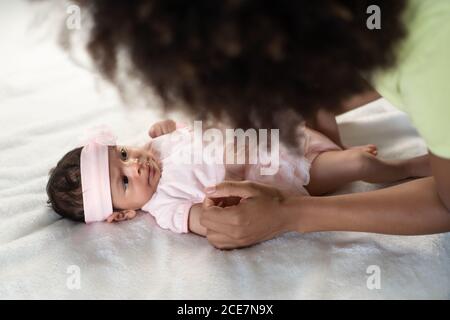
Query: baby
x=102, y=181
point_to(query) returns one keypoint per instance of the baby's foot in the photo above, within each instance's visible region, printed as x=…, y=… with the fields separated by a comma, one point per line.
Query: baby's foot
x=369, y=148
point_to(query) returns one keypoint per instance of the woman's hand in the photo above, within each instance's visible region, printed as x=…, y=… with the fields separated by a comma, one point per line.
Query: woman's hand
x=161, y=128
x=256, y=215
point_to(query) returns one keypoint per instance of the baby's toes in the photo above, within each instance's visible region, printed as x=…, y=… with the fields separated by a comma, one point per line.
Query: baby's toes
x=371, y=148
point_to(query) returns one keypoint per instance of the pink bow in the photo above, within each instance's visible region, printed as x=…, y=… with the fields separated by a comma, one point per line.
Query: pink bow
x=101, y=134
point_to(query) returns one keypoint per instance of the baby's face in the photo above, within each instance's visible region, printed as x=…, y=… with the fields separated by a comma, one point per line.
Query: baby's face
x=134, y=175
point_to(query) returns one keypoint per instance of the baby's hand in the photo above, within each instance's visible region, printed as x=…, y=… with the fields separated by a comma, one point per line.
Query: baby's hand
x=162, y=127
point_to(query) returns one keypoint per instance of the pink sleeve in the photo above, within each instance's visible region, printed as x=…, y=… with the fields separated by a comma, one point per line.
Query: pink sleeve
x=173, y=216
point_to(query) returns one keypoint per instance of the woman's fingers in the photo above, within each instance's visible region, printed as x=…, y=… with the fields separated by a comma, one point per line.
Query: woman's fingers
x=254, y=219
x=219, y=219
x=234, y=190
x=241, y=189
x=223, y=242
x=221, y=202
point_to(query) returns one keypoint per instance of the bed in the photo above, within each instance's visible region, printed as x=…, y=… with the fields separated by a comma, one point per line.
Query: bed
x=47, y=100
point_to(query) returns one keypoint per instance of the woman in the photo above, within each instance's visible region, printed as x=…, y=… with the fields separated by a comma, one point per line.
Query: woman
x=282, y=58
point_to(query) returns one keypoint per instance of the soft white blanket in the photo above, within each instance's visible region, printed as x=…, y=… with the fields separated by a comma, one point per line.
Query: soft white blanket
x=47, y=101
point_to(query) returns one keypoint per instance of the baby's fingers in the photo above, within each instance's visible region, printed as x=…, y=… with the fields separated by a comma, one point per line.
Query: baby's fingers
x=155, y=131
x=169, y=126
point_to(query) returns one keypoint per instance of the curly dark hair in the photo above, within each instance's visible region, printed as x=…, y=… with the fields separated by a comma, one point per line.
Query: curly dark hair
x=247, y=61
x=64, y=187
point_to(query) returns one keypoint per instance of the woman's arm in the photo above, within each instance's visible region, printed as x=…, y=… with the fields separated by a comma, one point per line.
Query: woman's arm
x=325, y=121
x=441, y=171
x=410, y=208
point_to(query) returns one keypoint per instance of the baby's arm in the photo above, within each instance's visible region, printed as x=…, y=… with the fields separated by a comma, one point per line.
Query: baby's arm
x=161, y=128
x=194, y=220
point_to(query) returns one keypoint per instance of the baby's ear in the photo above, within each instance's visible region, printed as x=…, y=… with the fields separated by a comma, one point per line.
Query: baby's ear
x=122, y=215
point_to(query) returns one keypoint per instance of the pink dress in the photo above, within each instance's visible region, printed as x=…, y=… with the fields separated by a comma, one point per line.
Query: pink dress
x=184, y=179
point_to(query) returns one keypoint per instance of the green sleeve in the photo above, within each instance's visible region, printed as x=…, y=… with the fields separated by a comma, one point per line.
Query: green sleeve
x=420, y=84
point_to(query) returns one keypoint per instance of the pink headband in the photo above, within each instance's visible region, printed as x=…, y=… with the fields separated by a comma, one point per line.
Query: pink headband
x=94, y=167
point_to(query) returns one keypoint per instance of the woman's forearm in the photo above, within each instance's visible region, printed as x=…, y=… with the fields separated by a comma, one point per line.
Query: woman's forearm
x=411, y=208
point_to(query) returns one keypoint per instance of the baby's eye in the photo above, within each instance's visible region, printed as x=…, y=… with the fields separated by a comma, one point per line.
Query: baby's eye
x=123, y=154
x=125, y=182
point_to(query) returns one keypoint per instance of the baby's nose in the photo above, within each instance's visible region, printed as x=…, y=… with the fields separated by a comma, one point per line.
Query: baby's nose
x=133, y=167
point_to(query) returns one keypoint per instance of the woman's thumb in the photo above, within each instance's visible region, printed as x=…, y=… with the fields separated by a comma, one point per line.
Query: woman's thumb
x=225, y=189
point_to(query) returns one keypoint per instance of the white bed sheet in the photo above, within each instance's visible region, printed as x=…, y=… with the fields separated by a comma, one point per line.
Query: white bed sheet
x=46, y=101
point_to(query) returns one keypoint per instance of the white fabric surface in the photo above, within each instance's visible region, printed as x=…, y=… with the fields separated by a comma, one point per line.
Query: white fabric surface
x=47, y=101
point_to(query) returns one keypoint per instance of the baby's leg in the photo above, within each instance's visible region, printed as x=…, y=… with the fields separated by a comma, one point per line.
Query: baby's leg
x=333, y=169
